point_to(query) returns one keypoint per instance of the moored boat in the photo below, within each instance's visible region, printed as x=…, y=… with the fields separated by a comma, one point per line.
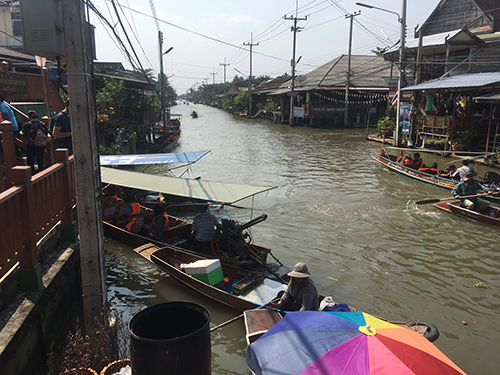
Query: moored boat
x=238, y=288
x=456, y=209
x=230, y=246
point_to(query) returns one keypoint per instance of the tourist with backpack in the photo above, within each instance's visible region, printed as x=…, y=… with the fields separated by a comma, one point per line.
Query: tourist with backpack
x=35, y=132
x=61, y=129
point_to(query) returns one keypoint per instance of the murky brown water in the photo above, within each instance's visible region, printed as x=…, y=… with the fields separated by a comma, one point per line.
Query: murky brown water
x=343, y=214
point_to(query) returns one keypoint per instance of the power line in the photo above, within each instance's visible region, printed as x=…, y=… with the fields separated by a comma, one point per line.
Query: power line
x=202, y=35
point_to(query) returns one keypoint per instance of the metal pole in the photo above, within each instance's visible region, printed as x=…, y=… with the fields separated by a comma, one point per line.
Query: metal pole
x=225, y=83
x=346, y=108
x=294, y=29
x=293, y=71
x=251, y=44
x=401, y=80
x=162, y=93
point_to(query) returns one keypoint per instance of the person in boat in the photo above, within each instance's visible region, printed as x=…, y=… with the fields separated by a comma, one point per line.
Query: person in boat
x=129, y=209
x=111, y=194
x=159, y=223
x=449, y=172
x=417, y=160
x=301, y=293
x=203, y=229
x=463, y=170
x=469, y=186
x=407, y=161
x=433, y=169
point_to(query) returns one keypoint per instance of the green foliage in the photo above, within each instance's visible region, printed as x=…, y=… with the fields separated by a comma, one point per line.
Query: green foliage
x=241, y=101
x=270, y=105
x=113, y=96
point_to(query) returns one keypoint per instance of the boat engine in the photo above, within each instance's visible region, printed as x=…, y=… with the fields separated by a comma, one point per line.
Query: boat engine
x=231, y=241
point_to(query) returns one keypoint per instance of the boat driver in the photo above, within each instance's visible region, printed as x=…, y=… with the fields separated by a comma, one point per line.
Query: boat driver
x=301, y=293
x=469, y=186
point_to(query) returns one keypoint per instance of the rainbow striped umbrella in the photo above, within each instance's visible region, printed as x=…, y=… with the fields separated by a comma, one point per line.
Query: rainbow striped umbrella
x=354, y=343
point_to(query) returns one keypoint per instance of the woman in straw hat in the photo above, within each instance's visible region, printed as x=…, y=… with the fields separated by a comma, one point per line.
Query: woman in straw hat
x=301, y=293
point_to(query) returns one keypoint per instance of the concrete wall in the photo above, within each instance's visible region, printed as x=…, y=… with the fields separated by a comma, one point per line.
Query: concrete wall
x=32, y=323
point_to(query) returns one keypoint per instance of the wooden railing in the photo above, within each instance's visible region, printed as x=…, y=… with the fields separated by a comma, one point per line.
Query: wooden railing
x=33, y=206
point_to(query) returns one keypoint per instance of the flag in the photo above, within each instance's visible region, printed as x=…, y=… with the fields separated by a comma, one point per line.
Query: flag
x=395, y=98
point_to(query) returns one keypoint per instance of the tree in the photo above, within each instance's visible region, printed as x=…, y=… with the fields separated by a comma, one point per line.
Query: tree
x=241, y=101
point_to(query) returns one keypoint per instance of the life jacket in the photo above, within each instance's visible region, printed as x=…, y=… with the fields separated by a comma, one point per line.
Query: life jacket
x=166, y=224
x=136, y=208
x=407, y=163
x=429, y=170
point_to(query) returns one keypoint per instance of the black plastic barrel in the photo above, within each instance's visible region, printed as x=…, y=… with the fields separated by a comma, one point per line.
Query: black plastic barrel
x=171, y=338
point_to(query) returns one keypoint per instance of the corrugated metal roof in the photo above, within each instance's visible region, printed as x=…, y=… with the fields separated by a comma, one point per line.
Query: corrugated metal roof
x=427, y=41
x=367, y=71
x=489, y=98
x=460, y=81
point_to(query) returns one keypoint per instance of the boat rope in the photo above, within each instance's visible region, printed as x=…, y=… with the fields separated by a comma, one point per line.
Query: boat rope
x=262, y=261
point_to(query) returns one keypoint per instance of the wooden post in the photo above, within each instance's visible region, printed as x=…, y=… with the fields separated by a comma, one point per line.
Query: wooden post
x=87, y=167
x=45, y=93
x=489, y=131
x=9, y=150
x=30, y=275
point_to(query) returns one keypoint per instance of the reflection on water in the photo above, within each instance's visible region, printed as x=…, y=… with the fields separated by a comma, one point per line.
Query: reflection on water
x=348, y=218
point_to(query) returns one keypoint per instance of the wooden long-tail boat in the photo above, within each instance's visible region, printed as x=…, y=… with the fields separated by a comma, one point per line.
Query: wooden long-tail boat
x=390, y=161
x=455, y=208
x=240, y=289
x=230, y=245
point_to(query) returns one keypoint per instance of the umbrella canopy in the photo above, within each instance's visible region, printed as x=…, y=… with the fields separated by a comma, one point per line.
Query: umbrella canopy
x=314, y=343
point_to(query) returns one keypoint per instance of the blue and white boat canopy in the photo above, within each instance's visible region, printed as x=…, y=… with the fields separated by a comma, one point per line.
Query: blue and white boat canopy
x=143, y=159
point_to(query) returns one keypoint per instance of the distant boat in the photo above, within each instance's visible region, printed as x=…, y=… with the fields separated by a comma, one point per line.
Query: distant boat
x=168, y=141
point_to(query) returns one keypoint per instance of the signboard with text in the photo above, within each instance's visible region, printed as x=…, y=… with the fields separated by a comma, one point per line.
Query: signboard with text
x=13, y=85
x=298, y=112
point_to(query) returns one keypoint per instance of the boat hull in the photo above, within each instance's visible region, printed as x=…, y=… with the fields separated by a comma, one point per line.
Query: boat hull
x=454, y=208
x=389, y=161
x=169, y=259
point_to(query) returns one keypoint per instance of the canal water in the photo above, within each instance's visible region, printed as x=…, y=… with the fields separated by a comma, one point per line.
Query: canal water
x=343, y=214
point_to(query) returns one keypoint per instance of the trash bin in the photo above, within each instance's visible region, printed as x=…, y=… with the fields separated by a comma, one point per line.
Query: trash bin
x=171, y=338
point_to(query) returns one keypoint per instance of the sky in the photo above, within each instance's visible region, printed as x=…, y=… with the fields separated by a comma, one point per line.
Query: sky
x=205, y=34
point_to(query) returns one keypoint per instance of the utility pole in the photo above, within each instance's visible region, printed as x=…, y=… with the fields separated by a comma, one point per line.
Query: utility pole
x=346, y=111
x=251, y=44
x=402, y=68
x=295, y=29
x=213, y=84
x=225, y=83
x=162, y=93
x=87, y=169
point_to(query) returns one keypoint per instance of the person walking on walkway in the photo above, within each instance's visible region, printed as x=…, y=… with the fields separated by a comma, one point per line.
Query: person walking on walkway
x=35, y=132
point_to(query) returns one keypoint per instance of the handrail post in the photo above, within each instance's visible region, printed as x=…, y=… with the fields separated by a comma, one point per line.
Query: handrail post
x=48, y=157
x=30, y=274
x=9, y=150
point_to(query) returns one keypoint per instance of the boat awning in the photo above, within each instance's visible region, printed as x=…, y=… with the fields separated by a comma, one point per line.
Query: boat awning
x=180, y=157
x=218, y=192
x=472, y=80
